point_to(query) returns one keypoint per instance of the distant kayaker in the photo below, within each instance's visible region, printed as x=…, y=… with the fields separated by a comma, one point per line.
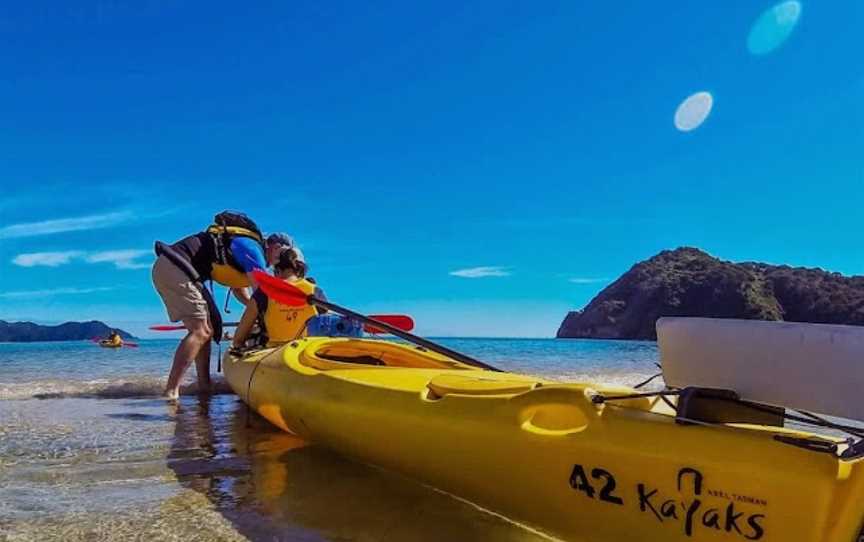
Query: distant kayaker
x=226, y=252
x=280, y=323
x=115, y=339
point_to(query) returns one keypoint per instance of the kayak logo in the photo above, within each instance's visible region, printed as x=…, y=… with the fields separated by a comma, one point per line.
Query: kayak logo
x=692, y=514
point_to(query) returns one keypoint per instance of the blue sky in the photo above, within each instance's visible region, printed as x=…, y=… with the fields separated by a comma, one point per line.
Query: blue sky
x=405, y=145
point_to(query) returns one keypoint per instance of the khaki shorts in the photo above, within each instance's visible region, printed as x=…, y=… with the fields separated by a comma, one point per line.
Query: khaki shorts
x=182, y=297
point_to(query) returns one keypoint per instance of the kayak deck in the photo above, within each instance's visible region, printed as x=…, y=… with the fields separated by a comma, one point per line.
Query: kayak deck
x=546, y=453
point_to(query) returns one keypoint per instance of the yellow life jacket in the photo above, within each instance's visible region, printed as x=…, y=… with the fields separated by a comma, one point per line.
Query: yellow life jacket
x=225, y=269
x=117, y=340
x=285, y=323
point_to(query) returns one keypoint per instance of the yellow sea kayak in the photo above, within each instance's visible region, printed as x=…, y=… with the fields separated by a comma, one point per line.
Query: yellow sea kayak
x=548, y=454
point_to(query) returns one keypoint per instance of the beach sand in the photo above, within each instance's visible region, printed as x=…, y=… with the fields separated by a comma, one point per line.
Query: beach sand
x=203, y=469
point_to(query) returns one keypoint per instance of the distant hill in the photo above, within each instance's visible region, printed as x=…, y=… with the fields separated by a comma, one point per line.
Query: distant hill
x=689, y=282
x=70, y=331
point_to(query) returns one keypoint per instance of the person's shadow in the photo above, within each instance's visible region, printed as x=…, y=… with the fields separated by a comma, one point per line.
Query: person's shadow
x=272, y=485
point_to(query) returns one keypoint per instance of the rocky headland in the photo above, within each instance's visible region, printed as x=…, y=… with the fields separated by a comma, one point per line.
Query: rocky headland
x=70, y=331
x=690, y=282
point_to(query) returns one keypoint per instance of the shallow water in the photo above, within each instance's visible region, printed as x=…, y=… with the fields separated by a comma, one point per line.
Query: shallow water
x=89, y=451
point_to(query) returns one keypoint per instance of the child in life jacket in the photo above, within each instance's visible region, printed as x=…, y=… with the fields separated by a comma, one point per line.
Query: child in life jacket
x=281, y=323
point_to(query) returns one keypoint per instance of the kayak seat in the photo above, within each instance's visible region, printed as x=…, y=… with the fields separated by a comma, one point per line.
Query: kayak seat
x=443, y=385
x=361, y=360
x=329, y=362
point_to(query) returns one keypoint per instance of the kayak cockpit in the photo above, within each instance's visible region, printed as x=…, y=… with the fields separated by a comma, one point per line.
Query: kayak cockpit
x=340, y=354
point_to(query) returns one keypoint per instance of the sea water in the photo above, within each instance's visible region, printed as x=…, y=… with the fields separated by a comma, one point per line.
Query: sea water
x=89, y=451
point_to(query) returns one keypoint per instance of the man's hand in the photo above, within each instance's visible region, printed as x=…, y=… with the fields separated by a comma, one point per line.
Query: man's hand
x=235, y=351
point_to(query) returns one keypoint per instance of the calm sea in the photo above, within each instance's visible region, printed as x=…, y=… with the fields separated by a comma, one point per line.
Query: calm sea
x=88, y=450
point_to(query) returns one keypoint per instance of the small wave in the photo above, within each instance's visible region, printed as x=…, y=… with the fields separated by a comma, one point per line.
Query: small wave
x=140, y=387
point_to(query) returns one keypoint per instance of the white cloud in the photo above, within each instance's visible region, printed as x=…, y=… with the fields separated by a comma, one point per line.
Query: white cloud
x=480, y=272
x=47, y=259
x=585, y=280
x=81, y=223
x=52, y=292
x=122, y=259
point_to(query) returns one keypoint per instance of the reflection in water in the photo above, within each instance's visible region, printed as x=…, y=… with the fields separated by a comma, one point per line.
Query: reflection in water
x=773, y=27
x=101, y=457
x=274, y=486
x=84, y=469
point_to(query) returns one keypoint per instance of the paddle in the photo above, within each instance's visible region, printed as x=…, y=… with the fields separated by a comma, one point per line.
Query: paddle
x=287, y=294
x=402, y=321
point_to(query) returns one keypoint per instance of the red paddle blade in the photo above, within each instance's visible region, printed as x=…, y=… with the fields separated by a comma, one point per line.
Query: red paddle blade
x=401, y=321
x=280, y=291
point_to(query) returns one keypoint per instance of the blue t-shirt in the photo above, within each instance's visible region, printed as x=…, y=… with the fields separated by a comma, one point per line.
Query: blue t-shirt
x=248, y=254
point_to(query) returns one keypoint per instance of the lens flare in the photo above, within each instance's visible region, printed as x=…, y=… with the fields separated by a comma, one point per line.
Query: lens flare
x=693, y=111
x=773, y=27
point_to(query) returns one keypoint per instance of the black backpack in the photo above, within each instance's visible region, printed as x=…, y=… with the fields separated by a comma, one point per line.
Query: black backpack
x=237, y=219
x=222, y=238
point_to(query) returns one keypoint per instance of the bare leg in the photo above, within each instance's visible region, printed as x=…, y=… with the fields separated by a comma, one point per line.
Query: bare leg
x=202, y=366
x=188, y=350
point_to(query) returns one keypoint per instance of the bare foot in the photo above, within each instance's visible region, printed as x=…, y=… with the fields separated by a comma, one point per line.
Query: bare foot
x=172, y=395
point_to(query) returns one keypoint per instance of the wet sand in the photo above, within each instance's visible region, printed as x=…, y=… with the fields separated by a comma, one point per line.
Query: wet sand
x=204, y=469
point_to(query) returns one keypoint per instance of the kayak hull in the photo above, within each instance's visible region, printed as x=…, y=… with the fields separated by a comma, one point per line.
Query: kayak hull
x=544, y=454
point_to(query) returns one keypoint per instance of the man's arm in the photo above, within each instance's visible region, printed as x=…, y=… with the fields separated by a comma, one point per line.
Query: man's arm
x=245, y=325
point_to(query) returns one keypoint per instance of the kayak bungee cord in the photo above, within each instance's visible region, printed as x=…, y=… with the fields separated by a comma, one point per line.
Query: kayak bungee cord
x=649, y=380
x=855, y=448
x=646, y=382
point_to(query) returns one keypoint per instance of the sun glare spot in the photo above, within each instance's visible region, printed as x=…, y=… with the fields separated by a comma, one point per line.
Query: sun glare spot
x=773, y=27
x=693, y=111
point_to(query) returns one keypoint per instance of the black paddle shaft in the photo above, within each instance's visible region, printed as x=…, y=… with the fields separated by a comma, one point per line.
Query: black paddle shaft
x=420, y=341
